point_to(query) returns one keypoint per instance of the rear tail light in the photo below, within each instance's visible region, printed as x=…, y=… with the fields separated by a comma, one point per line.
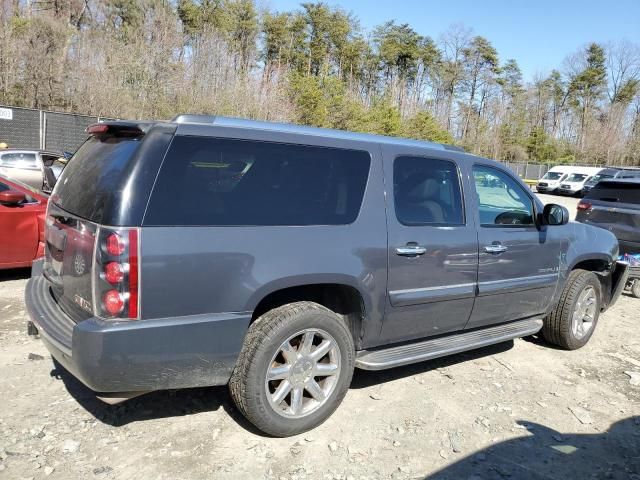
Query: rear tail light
x=113, y=302
x=116, y=276
x=584, y=206
x=114, y=245
x=114, y=272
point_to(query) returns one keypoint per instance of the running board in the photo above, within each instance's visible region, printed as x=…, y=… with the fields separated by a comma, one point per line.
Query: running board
x=443, y=346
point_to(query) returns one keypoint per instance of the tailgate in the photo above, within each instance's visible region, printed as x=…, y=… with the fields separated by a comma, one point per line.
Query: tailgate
x=621, y=220
x=68, y=265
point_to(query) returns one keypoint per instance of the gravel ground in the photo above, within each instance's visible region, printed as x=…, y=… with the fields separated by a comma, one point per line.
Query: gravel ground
x=517, y=410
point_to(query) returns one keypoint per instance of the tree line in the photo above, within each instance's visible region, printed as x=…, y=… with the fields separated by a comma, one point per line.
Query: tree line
x=317, y=66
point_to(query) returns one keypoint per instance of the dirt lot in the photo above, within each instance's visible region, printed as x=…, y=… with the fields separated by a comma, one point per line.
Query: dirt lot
x=518, y=410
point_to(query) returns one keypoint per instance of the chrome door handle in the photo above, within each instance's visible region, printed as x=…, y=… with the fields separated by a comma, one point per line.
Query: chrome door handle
x=495, y=249
x=411, y=250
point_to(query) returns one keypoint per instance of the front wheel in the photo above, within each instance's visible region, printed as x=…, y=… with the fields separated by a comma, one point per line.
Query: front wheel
x=294, y=369
x=574, y=319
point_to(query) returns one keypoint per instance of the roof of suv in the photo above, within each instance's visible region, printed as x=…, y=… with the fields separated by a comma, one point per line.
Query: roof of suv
x=612, y=182
x=28, y=150
x=217, y=121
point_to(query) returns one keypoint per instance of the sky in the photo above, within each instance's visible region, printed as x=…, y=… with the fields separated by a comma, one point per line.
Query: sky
x=539, y=34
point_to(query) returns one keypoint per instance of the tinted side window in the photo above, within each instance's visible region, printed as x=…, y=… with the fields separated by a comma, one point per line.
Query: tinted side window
x=502, y=200
x=19, y=160
x=223, y=182
x=427, y=191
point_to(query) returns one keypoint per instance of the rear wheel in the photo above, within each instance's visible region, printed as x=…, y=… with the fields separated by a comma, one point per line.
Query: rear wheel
x=574, y=319
x=294, y=369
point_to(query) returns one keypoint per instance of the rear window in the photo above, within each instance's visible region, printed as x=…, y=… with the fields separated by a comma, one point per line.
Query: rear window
x=91, y=181
x=616, y=192
x=222, y=182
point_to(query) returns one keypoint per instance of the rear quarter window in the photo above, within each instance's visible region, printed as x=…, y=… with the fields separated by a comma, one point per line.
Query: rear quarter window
x=227, y=182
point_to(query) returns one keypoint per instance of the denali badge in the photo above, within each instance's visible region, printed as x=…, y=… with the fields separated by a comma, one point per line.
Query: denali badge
x=84, y=304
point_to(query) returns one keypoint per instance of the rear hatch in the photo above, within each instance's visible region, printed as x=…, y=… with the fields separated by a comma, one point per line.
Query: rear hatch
x=615, y=205
x=89, y=185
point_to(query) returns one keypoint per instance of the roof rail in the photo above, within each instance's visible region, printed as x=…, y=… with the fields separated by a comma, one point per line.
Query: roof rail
x=218, y=121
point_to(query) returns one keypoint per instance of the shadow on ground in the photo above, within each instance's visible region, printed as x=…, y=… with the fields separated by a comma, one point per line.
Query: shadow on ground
x=547, y=454
x=15, y=274
x=154, y=405
x=175, y=403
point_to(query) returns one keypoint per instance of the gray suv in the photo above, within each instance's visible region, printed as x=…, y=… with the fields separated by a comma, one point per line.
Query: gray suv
x=276, y=258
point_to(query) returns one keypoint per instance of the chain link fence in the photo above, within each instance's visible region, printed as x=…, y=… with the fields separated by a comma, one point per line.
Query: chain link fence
x=59, y=132
x=43, y=130
x=530, y=171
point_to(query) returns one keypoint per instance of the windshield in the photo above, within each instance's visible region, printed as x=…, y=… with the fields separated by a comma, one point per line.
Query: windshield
x=598, y=177
x=552, y=175
x=577, y=177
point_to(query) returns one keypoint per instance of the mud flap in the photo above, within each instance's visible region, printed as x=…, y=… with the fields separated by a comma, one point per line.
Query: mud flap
x=618, y=281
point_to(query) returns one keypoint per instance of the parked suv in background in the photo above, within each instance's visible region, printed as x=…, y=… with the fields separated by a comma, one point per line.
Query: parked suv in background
x=36, y=168
x=277, y=258
x=615, y=205
x=609, y=173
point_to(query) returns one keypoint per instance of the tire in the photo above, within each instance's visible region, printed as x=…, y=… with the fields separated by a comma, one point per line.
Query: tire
x=635, y=288
x=262, y=352
x=562, y=326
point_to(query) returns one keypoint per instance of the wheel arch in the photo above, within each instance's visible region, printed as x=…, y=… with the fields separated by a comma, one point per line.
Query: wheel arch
x=338, y=294
x=600, y=264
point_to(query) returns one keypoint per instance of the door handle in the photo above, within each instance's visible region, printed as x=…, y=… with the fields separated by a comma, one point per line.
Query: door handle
x=495, y=249
x=410, y=250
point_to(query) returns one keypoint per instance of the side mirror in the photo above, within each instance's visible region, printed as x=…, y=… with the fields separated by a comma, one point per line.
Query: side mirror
x=12, y=197
x=554, y=214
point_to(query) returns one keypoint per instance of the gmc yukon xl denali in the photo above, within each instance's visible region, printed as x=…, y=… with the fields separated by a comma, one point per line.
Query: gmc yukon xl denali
x=277, y=258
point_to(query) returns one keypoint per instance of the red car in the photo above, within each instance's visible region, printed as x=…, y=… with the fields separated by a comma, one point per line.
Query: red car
x=22, y=221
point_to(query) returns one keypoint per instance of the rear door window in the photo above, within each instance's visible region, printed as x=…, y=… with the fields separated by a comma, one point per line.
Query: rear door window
x=427, y=192
x=19, y=160
x=225, y=182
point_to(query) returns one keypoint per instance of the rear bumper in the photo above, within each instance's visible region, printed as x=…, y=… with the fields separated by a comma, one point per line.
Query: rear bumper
x=142, y=355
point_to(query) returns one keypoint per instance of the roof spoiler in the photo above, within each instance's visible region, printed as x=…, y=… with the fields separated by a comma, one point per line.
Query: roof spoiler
x=117, y=129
